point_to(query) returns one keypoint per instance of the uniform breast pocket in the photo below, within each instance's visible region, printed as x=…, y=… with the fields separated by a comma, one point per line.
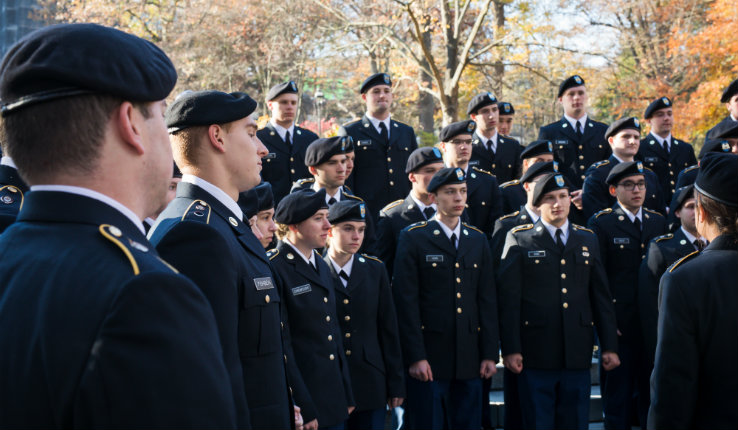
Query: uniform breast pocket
x=583, y=261
x=259, y=329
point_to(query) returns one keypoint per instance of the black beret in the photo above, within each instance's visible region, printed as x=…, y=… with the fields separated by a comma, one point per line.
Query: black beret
x=248, y=202
x=347, y=210
x=624, y=170
x=456, y=128
x=196, y=108
x=480, y=101
x=726, y=130
x=321, y=150
x=288, y=87
x=422, y=157
x=374, y=80
x=660, y=103
x=537, y=147
x=72, y=59
x=505, y=108
x=680, y=196
x=718, y=178
x=570, y=82
x=176, y=173
x=446, y=176
x=548, y=183
x=623, y=124
x=538, y=169
x=729, y=92
x=264, y=196
x=296, y=207
x=714, y=145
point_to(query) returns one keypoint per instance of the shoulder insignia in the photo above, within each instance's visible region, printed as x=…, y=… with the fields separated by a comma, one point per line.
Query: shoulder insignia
x=514, y=214
x=509, y=183
x=603, y=212
x=653, y=212
x=305, y=181
x=371, y=257
x=664, y=237
x=648, y=169
x=393, y=204
x=579, y=227
x=272, y=253
x=113, y=234
x=198, y=210
x=600, y=164
x=417, y=225
x=482, y=170
x=522, y=228
x=472, y=227
x=681, y=260
x=352, y=122
x=690, y=168
x=13, y=191
x=346, y=187
x=351, y=196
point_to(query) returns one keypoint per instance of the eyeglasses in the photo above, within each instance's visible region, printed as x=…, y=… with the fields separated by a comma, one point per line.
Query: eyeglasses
x=630, y=185
x=461, y=141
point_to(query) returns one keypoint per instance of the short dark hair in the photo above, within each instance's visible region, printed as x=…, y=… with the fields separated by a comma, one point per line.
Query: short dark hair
x=723, y=216
x=46, y=139
x=188, y=141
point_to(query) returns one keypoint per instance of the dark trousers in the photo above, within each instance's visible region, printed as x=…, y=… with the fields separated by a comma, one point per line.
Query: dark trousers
x=625, y=389
x=440, y=405
x=554, y=399
x=372, y=419
x=513, y=413
x=339, y=426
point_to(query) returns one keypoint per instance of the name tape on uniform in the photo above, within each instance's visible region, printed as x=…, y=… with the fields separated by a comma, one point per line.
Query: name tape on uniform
x=271, y=155
x=302, y=289
x=263, y=283
x=364, y=143
x=536, y=254
x=621, y=240
x=434, y=258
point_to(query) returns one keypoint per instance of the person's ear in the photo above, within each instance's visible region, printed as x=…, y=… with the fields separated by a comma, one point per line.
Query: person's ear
x=613, y=190
x=129, y=124
x=215, y=137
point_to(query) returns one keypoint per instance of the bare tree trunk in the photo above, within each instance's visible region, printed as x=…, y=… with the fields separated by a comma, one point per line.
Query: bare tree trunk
x=499, y=68
x=426, y=102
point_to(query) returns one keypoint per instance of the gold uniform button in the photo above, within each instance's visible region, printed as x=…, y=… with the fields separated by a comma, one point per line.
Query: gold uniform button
x=458, y=310
x=325, y=299
x=563, y=276
x=564, y=290
x=581, y=167
x=563, y=261
x=581, y=157
x=348, y=335
x=493, y=166
x=332, y=357
x=267, y=299
x=292, y=158
x=566, y=305
x=348, y=352
x=583, y=177
x=475, y=265
x=458, y=295
x=390, y=170
x=669, y=164
x=345, y=301
x=457, y=265
x=327, y=318
x=525, y=323
x=484, y=203
x=458, y=280
x=580, y=147
x=292, y=171
x=614, y=300
x=389, y=159
x=347, y=318
x=434, y=264
x=392, y=183
x=330, y=337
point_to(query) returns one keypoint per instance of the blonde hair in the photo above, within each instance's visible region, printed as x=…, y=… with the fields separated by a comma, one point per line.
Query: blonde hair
x=282, y=230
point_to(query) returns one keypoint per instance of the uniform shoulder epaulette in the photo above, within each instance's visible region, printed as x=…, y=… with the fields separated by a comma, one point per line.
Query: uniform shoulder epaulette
x=305, y=181
x=482, y=170
x=351, y=196
x=579, y=227
x=514, y=214
x=472, y=227
x=417, y=225
x=664, y=237
x=392, y=205
x=653, y=212
x=522, y=228
x=600, y=164
x=198, y=210
x=648, y=169
x=681, y=260
x=690, y=168
x=12, y=190
x=509, y=183
x=603, y=212
x=346, y=187
x=113, y=234
x=371, y=257
x=352, y=122
x=272, y=253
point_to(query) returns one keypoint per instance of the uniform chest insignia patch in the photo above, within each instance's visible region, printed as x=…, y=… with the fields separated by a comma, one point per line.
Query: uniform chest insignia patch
x=434, y=258
x=366, y=125
x=290, y=256
x=394, y=124
x=621, y=240
x=271, y=133
x=298, y=132
x=621, y=218
x=264, y=283
x=466, y=232
x=682, y=242
x=364, y=142
x=436, y=232
x=302, y=289
x=7, y=200
x=585, y=254
x=584, y=248
x=361, y=259
x=564, y=125
x=139, y=246
x=473, y=175
x=233, y=221
x=270, y=155
x=536, y=254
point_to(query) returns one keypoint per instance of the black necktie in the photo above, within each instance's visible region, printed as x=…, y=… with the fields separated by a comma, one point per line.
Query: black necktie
x=666, y=145
x=314, y=266
x=287, y=138
x=344, y=276
x=637, y=223
x=429, y=212
x=698, y=244
x=559, y=241
x=331, y=201
x=453, y=239
x=490, y=148
x=384, y=132
x=579, y=128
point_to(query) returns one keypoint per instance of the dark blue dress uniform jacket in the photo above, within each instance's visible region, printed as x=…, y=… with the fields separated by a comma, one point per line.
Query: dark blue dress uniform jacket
x=504, y=163
x=622, y=249
x=663, y=251
x=574, y=153
x=379, y=169
x=513, y=195
x=483, y=200
x=371, y=339
x=199, y=236
x=320, y=382
x=392, y=219
x=12, y=192
x=665, y=165
x=446, y=300
x=284, y=164
x=502, y=226
x=711, y=131
x=97, y=331
x=549, y=300
x=695, y=379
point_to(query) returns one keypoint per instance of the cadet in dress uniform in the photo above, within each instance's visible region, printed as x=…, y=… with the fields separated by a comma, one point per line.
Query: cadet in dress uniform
x=383, y=147
x=623, y=136
x=264, y=206
x=513, y=194
x=447, y=311
x=150, y=220
x=97, y=331
x=484, y=204
x=490, y=151
x=507, y=115
x=417, y=206
x=234, y=273
x=695, y=378
x=578, y=140
x=12, y=192
x=366, y=314
x=286, y=142
x=553, y=290
x=660, y=151
x=730, y=98
x=321, y=381
x=662, y=252
x=688, y=175
x=623, y=232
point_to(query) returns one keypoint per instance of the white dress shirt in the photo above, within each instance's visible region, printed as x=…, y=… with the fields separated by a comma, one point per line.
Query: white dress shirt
x=552, y=231
x=217, y=194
